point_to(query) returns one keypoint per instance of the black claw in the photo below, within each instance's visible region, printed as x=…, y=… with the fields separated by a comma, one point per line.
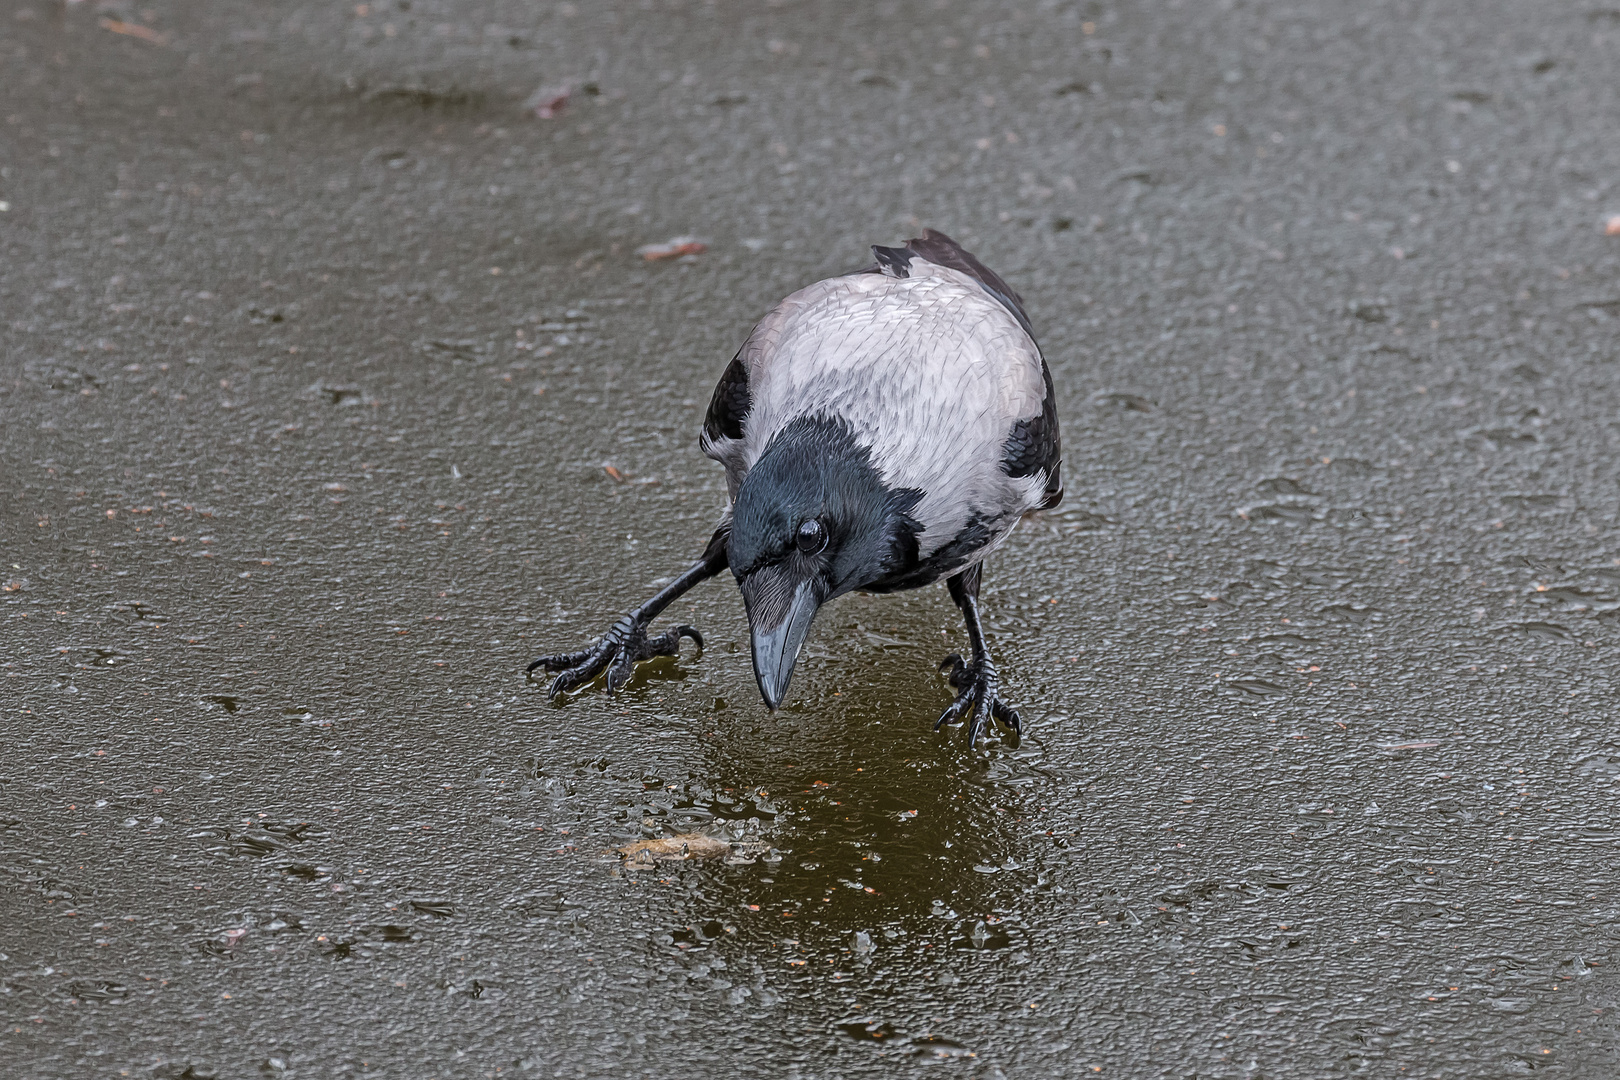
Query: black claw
x=981, y=718
x=617, y=653
x=960, y=674
x=1006, y=714
x=560, y=661
x=619, y=672
x=669, y=642
x=976, y=691
x=953, y=711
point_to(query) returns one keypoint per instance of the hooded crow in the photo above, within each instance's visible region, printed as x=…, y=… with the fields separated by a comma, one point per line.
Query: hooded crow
x=881, y=431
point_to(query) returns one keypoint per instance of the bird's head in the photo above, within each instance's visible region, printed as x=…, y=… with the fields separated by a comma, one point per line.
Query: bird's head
x=812, y=520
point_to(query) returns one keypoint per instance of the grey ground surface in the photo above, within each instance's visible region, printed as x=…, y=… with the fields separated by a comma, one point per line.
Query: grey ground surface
x=1317, y=658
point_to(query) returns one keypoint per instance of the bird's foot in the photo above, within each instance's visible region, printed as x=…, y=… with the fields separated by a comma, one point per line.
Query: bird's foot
x=618, y=653
x=976, y=698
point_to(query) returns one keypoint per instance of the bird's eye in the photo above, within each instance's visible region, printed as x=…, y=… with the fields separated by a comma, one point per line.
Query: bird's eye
x=812, y=537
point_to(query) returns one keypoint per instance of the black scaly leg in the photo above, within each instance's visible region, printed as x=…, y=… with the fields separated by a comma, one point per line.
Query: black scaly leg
x=627, y=643
x=976, y=682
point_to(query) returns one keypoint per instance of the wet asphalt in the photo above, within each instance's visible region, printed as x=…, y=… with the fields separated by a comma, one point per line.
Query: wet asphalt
x=333, y=388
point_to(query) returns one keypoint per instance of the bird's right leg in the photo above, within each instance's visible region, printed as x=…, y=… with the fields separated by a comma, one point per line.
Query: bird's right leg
x=977, y=683
x=627, y=643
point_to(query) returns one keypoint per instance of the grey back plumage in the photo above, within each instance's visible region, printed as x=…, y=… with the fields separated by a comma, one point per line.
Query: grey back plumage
x=931, y=368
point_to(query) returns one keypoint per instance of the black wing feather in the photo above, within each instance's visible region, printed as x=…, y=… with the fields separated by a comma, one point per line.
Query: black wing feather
x=731, y=403
x=1036, y=444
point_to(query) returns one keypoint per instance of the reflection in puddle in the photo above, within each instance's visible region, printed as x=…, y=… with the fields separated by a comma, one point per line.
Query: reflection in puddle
x=832, y=853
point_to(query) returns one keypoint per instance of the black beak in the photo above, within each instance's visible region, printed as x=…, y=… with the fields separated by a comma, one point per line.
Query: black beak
x=780, y=612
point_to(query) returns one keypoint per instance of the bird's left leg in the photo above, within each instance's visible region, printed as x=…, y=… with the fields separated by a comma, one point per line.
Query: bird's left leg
x=627, y=643
x=976, y=683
